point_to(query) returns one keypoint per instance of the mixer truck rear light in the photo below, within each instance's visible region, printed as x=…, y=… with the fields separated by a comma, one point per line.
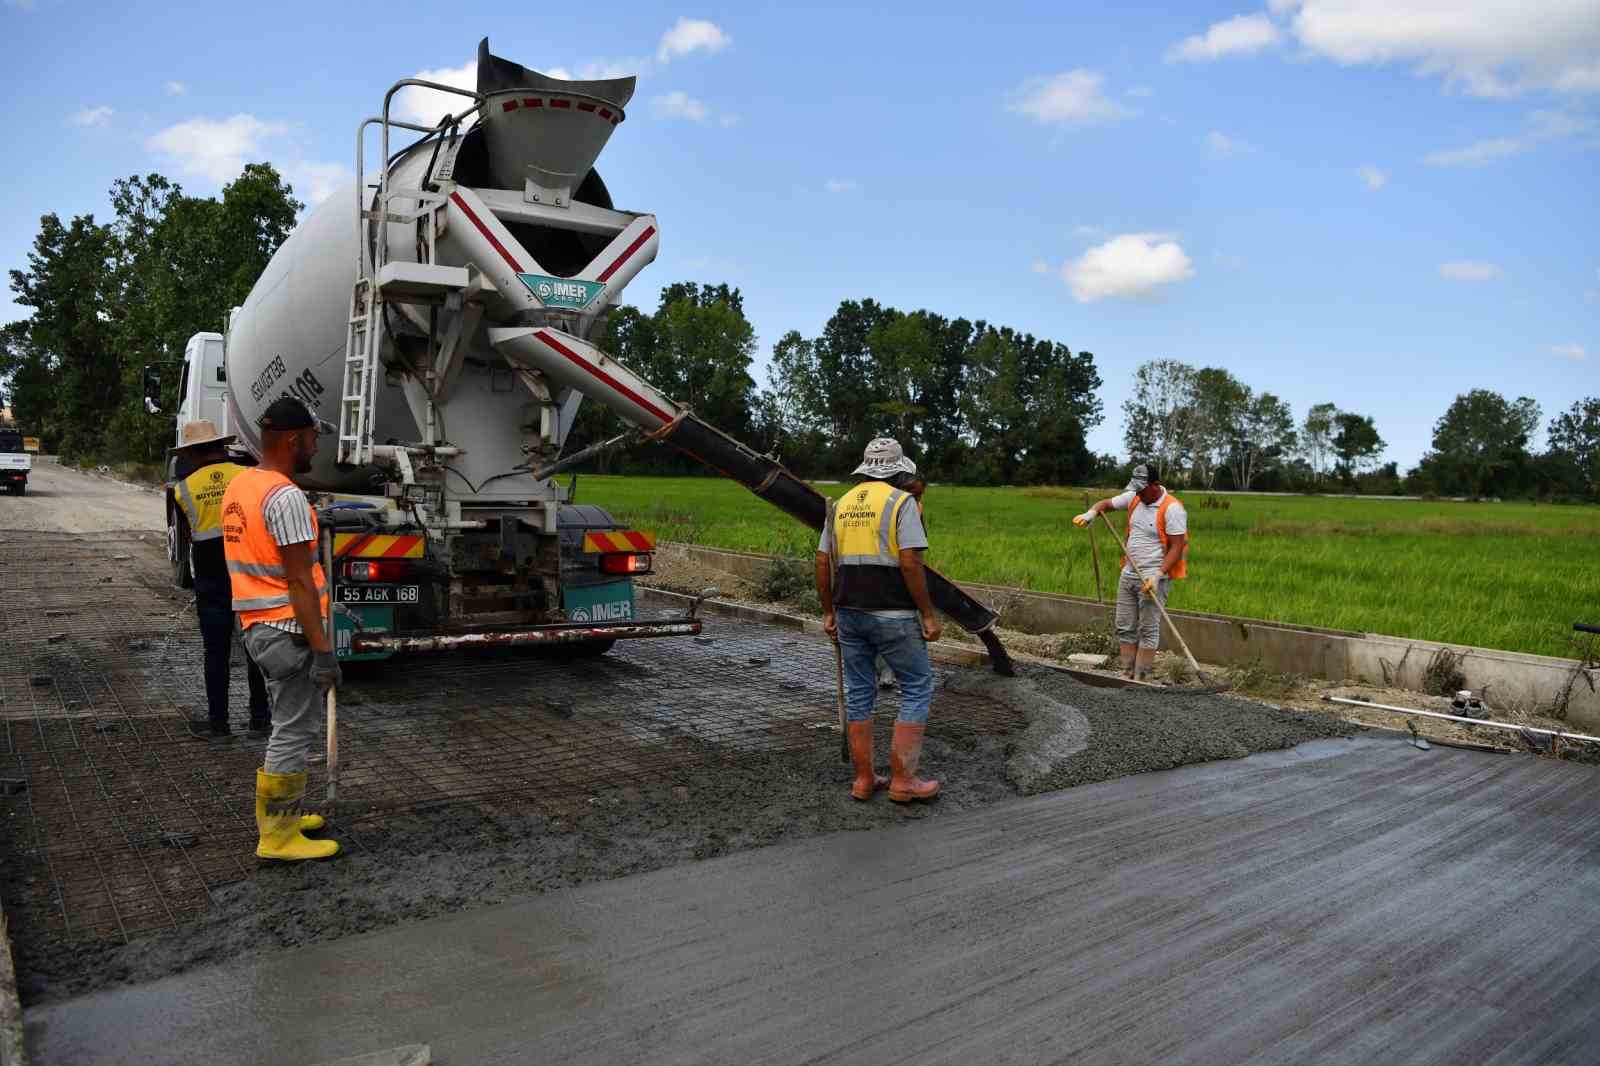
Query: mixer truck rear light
x=378, y=570
x=625, y=563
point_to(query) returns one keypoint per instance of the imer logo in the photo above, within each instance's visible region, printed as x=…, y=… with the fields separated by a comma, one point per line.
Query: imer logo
x=620, y=611
x=572, y=293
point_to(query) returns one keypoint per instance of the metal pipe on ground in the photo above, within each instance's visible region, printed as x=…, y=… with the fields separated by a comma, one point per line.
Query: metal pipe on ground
x=1508, y=726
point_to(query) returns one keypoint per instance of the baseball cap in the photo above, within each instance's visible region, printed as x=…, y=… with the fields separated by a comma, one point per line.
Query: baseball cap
x=1144, y=474
x=884, y=458
x=287, y=413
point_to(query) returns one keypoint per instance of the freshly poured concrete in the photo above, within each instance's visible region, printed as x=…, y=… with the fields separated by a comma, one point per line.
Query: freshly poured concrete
x=1347, y=901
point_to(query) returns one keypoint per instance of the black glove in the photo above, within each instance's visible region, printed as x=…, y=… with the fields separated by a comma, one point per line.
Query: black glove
x=325, y=672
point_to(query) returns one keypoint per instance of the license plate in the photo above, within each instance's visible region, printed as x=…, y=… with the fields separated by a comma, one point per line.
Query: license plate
x=376, y=594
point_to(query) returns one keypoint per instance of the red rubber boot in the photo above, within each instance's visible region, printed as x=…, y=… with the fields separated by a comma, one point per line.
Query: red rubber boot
x=904, y=754
x=866, y=782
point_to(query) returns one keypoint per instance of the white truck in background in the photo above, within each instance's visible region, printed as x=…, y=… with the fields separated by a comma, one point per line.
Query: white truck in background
x=15, y=462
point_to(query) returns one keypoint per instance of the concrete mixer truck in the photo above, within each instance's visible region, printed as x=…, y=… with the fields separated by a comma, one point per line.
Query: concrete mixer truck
x=445, y=315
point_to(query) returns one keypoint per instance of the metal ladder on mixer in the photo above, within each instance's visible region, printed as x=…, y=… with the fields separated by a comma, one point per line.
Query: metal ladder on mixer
x=362, y=342
x=378, y=280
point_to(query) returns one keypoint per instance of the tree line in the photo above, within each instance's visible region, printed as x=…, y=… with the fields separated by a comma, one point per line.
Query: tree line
x=109, y=298
x=1208, y=429
x=975, y=402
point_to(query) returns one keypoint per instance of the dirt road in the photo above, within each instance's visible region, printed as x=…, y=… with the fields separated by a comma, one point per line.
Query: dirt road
x=66, y=501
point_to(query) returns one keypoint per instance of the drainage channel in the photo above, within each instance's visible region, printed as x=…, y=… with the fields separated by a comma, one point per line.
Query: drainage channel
x=114, y=824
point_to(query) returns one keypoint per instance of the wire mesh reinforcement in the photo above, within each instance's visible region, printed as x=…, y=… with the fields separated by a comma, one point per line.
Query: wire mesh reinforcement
x=114, y=823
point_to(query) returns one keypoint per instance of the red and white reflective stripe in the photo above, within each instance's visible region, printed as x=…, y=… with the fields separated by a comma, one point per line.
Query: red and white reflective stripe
x=489, y=236
x=606, y=113
x=638, y=242
x=583, y=364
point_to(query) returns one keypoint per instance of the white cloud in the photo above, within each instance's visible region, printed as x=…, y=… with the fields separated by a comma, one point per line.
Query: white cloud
x=92, y=116
x=678, y=104
x=1540, y=127
x=1375, y=178
x=1039, y=266
x=216, y=149
x=1072, y=97
x=427, y=106
x=1221, y=144
x=1487, y=47
x=315, y=182
x=838, y=185
x=1130, y=266
x=176, y=88
x=1575, y=352
x=691, y=35
x=1240, y=35
x=1470, y=270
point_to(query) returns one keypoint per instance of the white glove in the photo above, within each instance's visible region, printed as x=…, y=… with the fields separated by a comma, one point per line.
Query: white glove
x=1085, y=519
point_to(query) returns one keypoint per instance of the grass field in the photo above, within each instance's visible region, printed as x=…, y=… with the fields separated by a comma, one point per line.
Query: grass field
x=1500, y=575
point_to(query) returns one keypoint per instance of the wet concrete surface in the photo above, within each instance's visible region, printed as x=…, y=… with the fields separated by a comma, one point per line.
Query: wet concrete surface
x=1343, y=902
x=467, y=780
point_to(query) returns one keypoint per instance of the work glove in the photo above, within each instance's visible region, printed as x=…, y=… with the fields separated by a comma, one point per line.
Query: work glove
x=1150, y=584
x=325, y=672
x=1084, y=520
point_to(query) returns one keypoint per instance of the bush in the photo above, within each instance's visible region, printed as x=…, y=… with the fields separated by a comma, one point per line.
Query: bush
x=786, y=579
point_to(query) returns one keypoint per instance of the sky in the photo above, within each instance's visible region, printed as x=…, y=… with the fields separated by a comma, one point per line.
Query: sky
x=1375, y=203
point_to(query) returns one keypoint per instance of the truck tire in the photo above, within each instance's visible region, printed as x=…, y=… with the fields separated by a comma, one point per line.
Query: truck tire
x=178, y=554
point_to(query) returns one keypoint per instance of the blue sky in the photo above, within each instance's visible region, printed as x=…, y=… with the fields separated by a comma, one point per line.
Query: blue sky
x=1377, y=203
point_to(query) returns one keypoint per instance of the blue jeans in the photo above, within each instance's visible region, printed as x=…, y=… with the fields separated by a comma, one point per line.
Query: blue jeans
x=865, y=635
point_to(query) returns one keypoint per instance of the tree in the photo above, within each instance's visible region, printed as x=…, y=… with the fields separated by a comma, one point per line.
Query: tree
x=1218, y=405
x=29, y=377
x=1157, y=417
x=1356, y=443
x=1316, y=438
x=67, y=282
x=1265, y=435
x=1480, y=444
x=1575, y=445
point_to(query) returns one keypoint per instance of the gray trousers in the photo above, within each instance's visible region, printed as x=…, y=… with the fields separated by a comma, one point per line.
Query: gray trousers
x=285, y=659
x=1138, y=620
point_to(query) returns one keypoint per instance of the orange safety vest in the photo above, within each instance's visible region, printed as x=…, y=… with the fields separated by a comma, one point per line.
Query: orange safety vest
x=1181, y=569
x=255, y=564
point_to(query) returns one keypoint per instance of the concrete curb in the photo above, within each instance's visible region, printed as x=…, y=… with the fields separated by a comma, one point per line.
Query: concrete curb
x=949, y=654
x=12, y=1051
x=1506, y=678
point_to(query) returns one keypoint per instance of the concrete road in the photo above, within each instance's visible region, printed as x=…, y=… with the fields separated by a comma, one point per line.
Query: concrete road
x=1345, y=902
x=64, y=501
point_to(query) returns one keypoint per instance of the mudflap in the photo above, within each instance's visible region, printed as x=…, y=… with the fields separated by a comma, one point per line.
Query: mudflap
x=610, y=601
x=372, y=620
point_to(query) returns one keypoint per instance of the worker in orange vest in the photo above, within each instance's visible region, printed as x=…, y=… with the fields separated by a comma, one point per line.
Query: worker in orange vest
x=281, y=596
x=1158, y=541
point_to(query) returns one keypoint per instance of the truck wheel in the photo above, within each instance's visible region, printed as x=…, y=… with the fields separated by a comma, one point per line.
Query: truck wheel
x=178, y=555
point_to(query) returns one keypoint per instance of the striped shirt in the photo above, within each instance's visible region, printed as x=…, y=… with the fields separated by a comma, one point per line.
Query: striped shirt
x=287, y=513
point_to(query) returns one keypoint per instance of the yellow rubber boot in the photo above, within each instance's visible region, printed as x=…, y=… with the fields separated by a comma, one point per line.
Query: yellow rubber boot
x=279, y=822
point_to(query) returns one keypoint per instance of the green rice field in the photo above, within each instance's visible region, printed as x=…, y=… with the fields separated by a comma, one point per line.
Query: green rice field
x=1500, y=575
